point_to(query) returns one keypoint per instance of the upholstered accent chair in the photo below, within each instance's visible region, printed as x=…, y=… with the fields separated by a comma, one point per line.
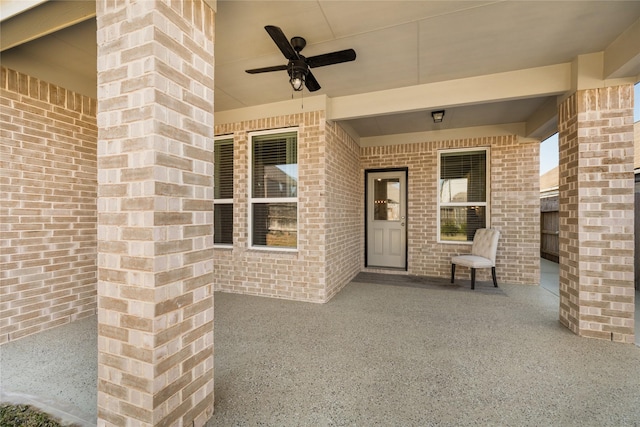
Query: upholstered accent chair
x=483, y=255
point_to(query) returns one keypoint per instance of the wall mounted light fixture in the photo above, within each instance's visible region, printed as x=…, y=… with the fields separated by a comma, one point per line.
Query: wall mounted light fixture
x=438, y=116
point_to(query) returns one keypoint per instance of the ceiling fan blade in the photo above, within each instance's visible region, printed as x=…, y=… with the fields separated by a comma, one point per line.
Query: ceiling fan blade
x=311, y=82
x=281, y=41
x=331, y=58
x=266, y=69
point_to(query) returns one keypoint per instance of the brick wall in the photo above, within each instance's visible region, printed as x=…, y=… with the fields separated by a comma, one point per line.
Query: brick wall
x=344, y=209
x=514, y=205
x=331, y=213
x=298, y=275
x=47, y=205
x=569, y=246
x=597, y=213
x=155, y=222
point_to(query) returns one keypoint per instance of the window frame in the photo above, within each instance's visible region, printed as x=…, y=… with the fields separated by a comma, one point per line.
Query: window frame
x=227, y=201
x=266, y=200
x=486, y=204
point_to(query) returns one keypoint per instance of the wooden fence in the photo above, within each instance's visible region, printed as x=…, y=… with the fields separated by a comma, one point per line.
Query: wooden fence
x=549, y=229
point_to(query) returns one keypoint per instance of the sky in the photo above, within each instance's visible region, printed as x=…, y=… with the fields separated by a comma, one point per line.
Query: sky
x=549, y=147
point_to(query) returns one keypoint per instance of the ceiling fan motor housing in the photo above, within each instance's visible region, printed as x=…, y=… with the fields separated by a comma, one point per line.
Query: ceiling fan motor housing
x=297, y=66
x=298, y=43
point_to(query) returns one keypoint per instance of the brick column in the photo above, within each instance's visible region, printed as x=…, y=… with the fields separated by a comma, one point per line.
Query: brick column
x=155, y=212
x=597, y=213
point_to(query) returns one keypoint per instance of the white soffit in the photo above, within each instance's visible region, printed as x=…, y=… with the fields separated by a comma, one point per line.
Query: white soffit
x=446, y=134
x=11, y=8
x=43, y=20
x=534, y=82
x=276, y=109
x=623, y=55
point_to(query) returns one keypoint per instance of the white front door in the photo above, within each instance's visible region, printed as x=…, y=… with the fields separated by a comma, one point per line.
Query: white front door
x=387, y=219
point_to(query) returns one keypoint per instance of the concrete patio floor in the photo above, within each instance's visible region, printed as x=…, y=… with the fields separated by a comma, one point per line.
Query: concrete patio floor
x=386, y=352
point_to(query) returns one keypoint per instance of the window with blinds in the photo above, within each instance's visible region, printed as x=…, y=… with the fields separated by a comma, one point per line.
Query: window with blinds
x=274, y=190
x=462, y=193
x=223, y=192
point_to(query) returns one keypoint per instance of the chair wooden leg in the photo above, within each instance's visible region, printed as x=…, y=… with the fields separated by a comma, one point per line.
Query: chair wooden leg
x=493, y=274
x=453, y=272
x=473, y=278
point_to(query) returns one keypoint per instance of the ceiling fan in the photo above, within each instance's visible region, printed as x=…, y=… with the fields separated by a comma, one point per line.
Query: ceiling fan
x=298, y=66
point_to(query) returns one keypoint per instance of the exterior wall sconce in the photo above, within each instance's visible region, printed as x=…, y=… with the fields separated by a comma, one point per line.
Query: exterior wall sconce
x=437, y=116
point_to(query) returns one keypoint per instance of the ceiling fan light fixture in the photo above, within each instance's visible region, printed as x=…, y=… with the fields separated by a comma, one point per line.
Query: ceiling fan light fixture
x=297, y=74
x=297, y=81
x=437, y=116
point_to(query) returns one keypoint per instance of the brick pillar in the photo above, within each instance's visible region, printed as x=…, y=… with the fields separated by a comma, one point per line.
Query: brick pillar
x=155, y=212
x=597, y=213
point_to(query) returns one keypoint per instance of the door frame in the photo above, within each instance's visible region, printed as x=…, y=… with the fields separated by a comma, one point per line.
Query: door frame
x=404, y=169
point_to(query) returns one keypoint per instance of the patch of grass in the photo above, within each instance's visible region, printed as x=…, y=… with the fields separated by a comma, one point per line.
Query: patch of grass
x=25, y=416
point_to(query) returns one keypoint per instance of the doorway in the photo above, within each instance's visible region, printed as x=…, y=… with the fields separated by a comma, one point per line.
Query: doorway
x=386, y=218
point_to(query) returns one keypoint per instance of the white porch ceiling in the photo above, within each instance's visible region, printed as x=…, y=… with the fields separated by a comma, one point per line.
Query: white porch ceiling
x=399, y=44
